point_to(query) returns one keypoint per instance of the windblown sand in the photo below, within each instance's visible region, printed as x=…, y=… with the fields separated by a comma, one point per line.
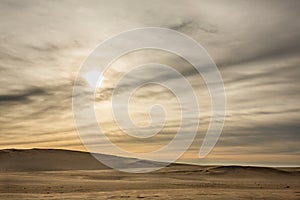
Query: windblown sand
x=173, y=182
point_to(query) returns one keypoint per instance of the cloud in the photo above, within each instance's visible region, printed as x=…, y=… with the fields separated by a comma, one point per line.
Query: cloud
x=255, y=45
x=22, y=97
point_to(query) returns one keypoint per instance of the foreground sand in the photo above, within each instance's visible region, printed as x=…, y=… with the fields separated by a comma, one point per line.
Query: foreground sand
x=173, y=182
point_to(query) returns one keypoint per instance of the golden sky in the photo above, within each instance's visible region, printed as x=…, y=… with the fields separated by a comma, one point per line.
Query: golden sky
x=255, y=45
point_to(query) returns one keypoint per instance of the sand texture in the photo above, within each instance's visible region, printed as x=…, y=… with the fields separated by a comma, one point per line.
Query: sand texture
x=60, y=174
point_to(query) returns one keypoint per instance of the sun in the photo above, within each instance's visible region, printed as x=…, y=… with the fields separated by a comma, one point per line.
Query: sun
x=94, y=78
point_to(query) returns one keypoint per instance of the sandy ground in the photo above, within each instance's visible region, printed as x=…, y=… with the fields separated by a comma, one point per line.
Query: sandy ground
x=173, y=182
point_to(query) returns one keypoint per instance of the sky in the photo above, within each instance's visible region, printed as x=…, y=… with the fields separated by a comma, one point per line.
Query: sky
x=255, y=45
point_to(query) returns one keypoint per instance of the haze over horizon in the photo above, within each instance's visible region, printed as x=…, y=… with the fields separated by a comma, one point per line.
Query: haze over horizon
x=256, y=48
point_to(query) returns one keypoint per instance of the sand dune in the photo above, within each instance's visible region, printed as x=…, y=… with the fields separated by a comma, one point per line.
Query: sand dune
x=46, y=160
x=57, y=160
x=61, y=174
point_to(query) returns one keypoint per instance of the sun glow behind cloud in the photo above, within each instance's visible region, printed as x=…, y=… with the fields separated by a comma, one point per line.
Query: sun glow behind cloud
x=94, y=78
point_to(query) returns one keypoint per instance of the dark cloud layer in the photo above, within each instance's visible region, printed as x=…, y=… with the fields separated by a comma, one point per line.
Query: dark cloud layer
x=21, y=97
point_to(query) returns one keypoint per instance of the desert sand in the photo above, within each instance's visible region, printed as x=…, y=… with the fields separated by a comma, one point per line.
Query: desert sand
x=61, y=174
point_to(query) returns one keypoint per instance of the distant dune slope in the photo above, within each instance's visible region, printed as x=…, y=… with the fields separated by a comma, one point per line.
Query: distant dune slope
x=46, y=159
x=56, y=160
x=15, y=160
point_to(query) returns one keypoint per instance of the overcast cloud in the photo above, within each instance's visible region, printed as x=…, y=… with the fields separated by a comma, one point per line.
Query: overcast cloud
x=255, y=44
